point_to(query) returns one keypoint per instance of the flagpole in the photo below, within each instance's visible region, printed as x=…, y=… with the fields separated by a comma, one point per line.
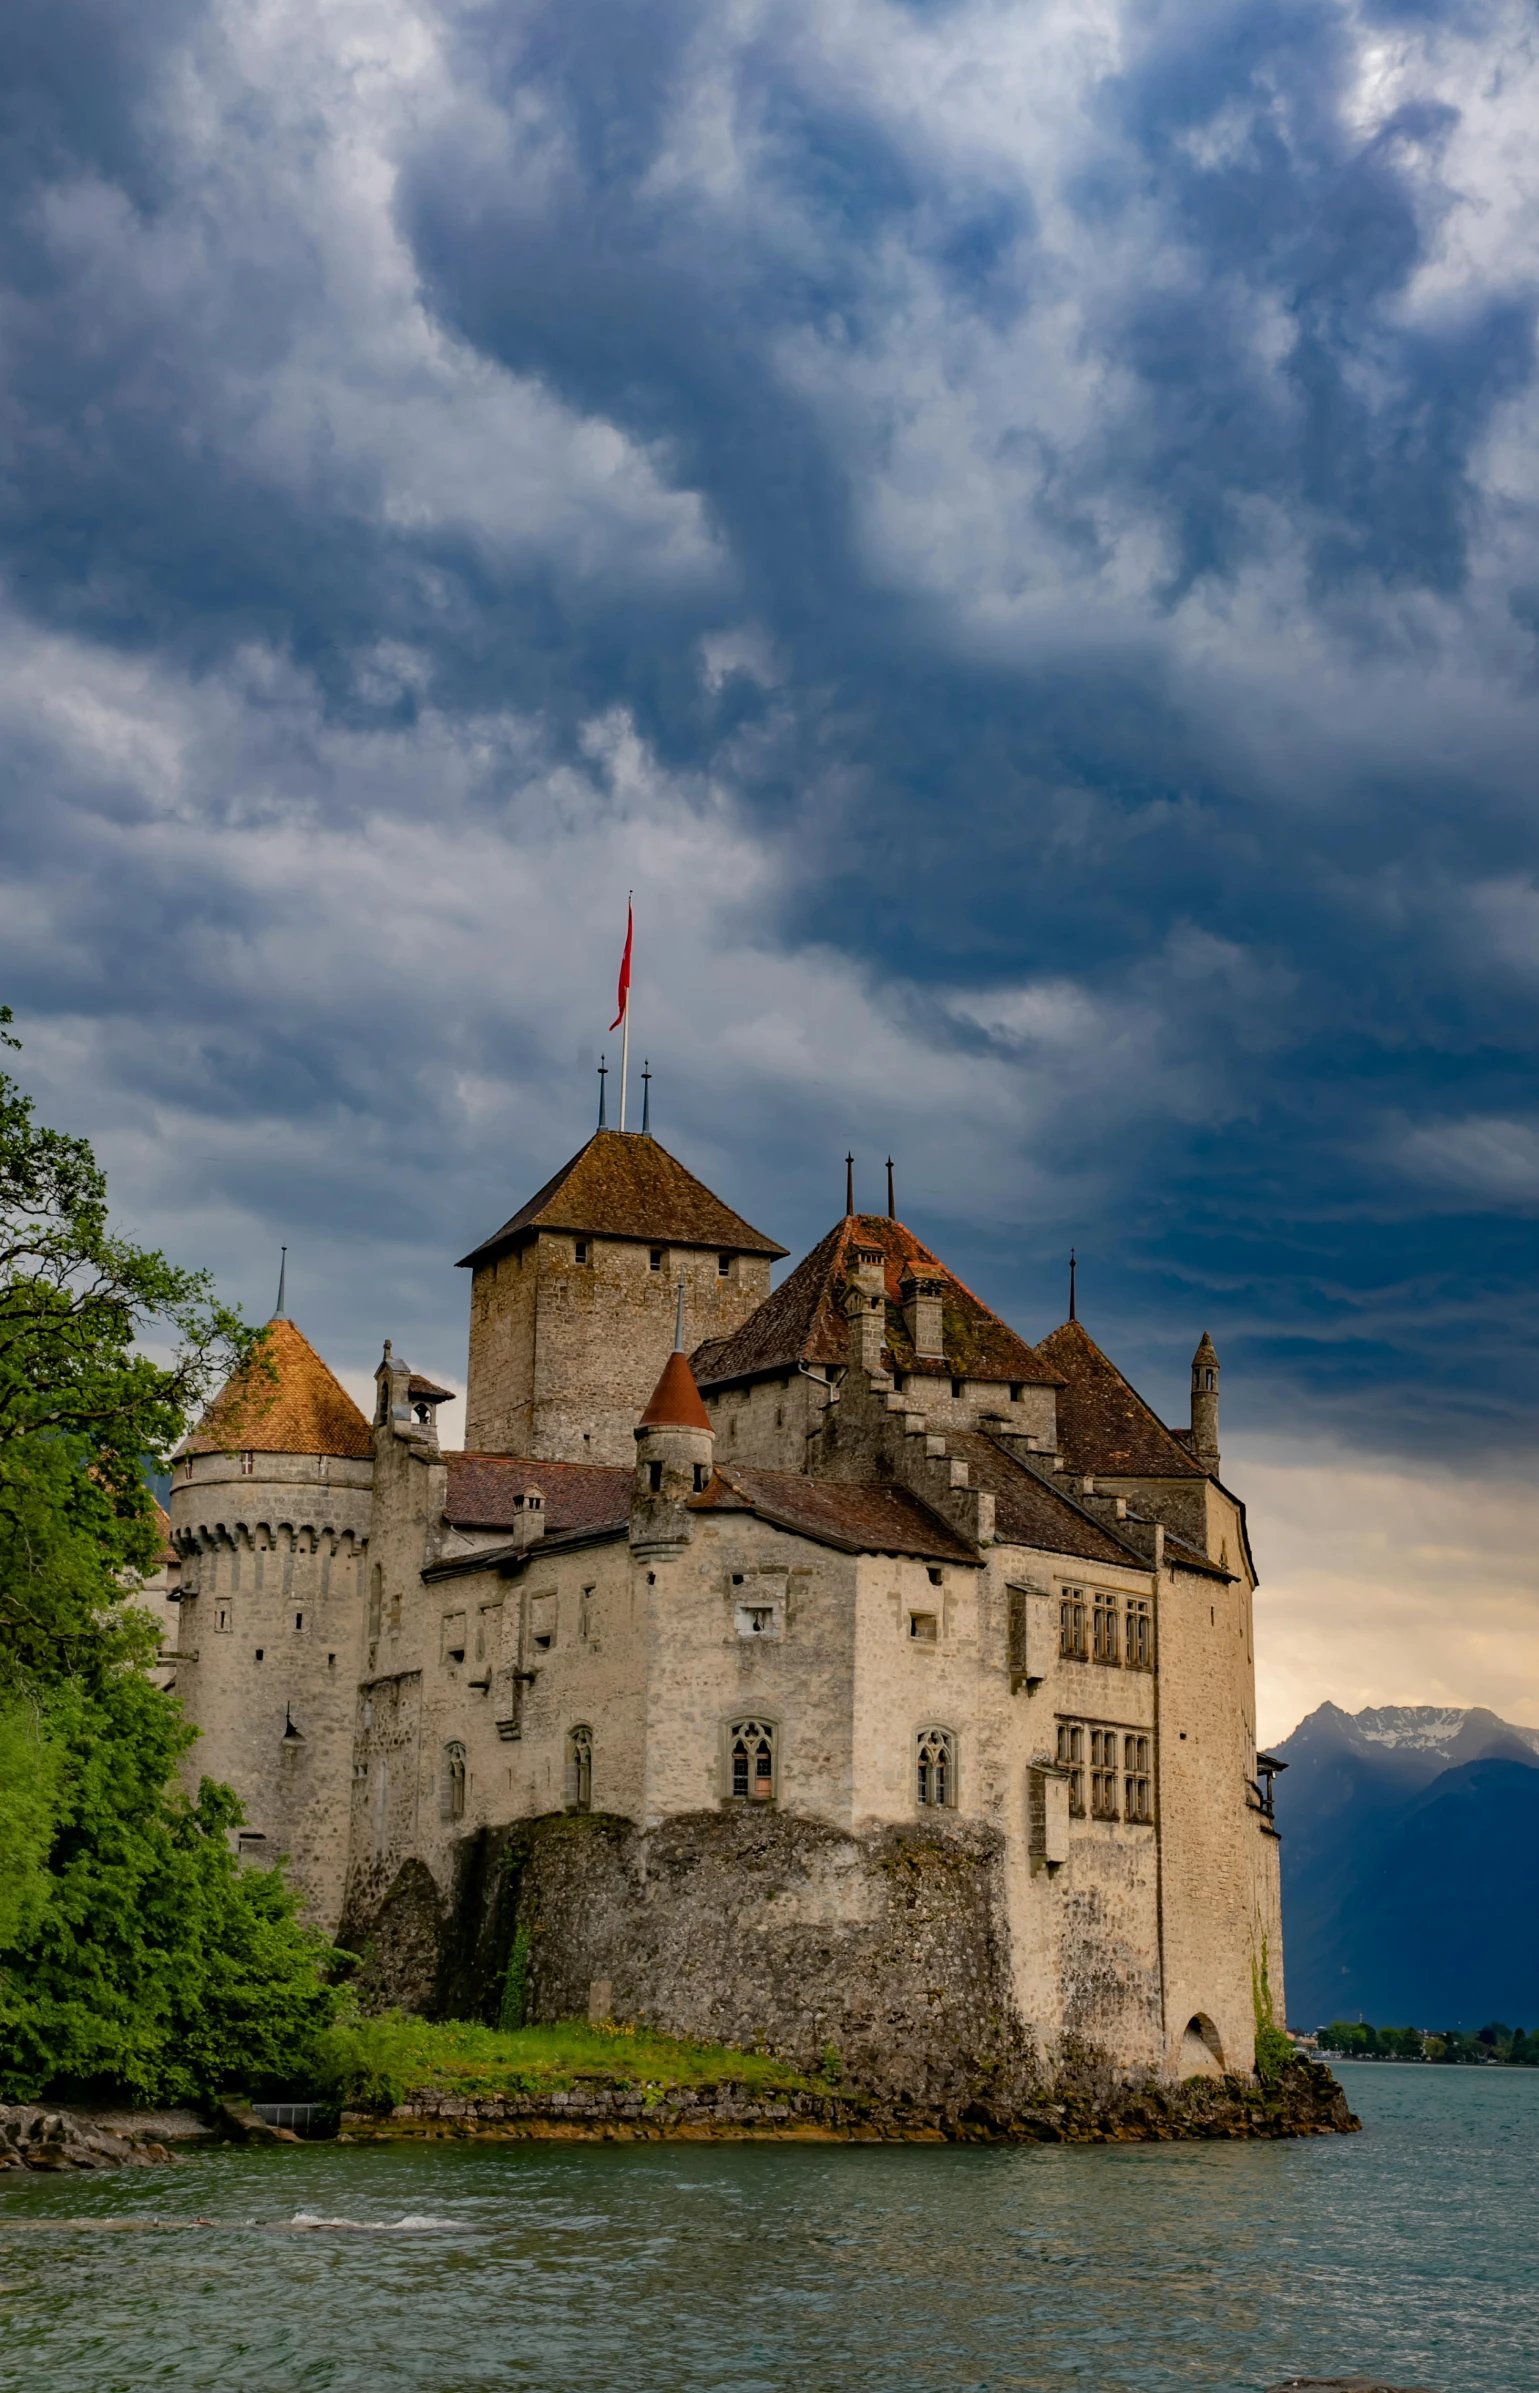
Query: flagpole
x=625, y=1027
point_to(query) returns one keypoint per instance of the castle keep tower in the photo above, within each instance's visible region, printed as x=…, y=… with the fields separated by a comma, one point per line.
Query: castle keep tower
x=270, y=1504
x=572, y=1301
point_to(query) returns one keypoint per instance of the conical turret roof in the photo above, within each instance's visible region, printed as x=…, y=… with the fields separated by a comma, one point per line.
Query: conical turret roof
x=675, y=1401
x=288, y=1402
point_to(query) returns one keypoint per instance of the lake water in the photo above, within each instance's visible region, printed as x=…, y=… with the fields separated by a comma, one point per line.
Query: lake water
x=1411, y=2250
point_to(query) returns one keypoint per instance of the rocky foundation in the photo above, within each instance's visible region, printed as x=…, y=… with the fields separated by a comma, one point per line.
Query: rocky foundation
x=1306, y=2100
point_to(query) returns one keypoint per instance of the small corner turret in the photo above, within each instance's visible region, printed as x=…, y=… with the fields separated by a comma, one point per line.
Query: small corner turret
x=1205, y=1403
x=406, y=1405
x=675, y=1451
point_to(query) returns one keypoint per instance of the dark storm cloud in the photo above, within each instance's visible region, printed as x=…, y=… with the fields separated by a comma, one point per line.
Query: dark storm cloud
x=1115, y=592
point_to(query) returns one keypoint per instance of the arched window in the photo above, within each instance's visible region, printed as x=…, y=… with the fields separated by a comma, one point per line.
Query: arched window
x=579, y=1769
x=452, y=1800
x=935, y=1770
x=751, y=1757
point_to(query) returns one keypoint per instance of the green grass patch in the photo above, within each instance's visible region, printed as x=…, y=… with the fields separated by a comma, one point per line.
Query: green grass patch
x=372, y=2063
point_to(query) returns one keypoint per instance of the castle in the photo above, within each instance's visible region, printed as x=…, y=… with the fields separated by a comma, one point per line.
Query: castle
x=824, y=1666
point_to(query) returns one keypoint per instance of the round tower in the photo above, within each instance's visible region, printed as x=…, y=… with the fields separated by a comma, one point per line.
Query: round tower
x=675, y=1450
x=1205, y=1403
x=270, y=1500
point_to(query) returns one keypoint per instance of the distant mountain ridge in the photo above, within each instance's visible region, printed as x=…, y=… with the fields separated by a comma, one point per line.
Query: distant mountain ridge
x=1410, y=1867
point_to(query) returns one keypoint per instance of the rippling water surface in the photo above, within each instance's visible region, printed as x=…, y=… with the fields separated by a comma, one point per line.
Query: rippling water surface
x=1411, y=2250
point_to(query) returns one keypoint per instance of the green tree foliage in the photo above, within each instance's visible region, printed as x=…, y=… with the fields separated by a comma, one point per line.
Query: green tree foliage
x=134, y=1952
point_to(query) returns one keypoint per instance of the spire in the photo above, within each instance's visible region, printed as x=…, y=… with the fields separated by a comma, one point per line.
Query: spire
x=646, y=1100
x=1073, y=1316
x=280, y=1309
x=849, y=1186
x=892, y=1210
x=602, y=1077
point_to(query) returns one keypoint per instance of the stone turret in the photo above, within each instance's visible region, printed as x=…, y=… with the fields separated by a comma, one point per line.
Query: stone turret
x=1205, y=1403
x=675, y=1452
x=270, y=1517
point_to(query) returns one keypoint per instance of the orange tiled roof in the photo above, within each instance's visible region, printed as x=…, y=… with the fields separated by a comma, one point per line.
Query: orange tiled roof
x=1030, y=1512
x=803, y=1321
x=1103, y=1423
x=484, y=1490
x=621, y=1185
x=862, y=1517
x=301, y=1408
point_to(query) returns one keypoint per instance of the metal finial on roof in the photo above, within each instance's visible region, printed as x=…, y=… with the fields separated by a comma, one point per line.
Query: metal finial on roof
x=892, y=1210
x=1073, y=1316
x=646, y=1100
x=678, y=1322
x=603, y=1076
x=279, y=1314
x=849, y=1186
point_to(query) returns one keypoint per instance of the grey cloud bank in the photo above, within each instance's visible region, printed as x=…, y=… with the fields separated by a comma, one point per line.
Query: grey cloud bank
x=1015, y=533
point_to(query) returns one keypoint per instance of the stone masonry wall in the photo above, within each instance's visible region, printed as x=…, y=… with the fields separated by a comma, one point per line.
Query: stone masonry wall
x=563, y=1355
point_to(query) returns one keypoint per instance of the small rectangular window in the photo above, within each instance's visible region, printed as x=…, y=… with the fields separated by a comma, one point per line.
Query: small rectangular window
x=1071, y=1626
x=1138, y=1648
x=724, y=1267
x=580, y=1250
x=1104, y=1626
x=222, y=1618
x=299, y=1620
x=1103, y=1773
x=958, y=1387
x=655, y=1259
x=259, y=1653
x=923, y=1628
x=247, y=1465
x=1017, y=1389
x=654, y=1476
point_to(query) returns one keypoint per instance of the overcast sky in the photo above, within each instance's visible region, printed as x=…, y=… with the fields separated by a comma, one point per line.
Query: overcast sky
x=1013, y=528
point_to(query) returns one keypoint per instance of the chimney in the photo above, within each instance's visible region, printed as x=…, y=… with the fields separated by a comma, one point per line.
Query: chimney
x=924, y=1294
x=865, y=1308
x=1205, y=1403
x=675, y=1452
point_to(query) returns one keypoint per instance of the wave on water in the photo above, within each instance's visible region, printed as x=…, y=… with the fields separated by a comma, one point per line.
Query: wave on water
x=415, y=2223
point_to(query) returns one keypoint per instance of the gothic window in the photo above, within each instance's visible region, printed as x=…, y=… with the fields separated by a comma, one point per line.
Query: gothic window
x=579, y=1769
x=1137, y=1786
x=1071, y=1625
x=1139, y=1647
x=1103, y=1773
x=751, y=1755
x=935, y=1774
x=1071, y=1759
x=452, y=1794
x=1104, y=1624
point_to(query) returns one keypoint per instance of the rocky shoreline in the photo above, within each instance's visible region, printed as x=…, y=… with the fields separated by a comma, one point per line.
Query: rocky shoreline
x=34, y=2137
x=1305, y=2100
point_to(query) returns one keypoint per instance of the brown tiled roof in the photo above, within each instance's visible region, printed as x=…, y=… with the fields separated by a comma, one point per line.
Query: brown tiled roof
x=418, y=1386
x=484, y=1488
x=168, y=1553
x=803, y=1321
x=1103, y=1424
x=1027, y=1511
x=287, y=1403
x=675, y=1401
x=861, y=1518
x=621, y=1185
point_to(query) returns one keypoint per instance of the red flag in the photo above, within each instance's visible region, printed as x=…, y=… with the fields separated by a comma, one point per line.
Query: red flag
x=625, y=973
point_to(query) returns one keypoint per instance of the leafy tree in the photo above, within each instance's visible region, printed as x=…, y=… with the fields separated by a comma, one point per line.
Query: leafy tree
x=134, y=1951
